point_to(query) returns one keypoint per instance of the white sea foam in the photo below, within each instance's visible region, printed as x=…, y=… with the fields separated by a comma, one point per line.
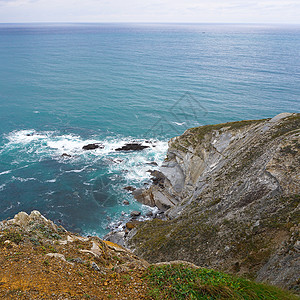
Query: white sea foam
x=70, y=144
x=2, y=186
x=5, y=172
x=22, y=179
x=135, y=165
x=8, y=208
x=179, y=124
x=130, y=165
x=26, y=136
x=77, y=171
x=51, y=180
x=54, y=144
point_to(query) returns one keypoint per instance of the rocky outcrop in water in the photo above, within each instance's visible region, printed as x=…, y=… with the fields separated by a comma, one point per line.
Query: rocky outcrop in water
x=231, y=193
x=92, y=146
x=132, y=147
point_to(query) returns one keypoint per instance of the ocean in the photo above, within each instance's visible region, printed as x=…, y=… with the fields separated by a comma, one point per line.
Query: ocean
x=63, y=86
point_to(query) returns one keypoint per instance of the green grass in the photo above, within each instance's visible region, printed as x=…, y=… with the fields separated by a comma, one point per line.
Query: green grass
x=182, y=282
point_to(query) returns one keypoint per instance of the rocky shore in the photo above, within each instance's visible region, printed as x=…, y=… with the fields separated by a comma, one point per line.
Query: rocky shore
x=229, y=194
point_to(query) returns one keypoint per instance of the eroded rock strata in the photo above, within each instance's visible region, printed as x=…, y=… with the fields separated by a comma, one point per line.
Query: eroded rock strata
x=231, y=193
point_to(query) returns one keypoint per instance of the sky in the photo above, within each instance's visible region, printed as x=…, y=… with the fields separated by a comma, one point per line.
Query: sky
x=179, y=11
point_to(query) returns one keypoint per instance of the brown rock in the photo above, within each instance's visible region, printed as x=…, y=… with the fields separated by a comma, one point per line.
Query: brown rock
x=132, y=224
x=129, y=188
x=135, y=214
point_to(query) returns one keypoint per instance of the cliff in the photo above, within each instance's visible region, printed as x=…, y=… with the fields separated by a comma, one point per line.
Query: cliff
x=231, y=196
x=40, y=260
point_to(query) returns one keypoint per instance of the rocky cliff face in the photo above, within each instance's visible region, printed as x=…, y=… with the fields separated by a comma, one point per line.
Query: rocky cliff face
x=231, y=193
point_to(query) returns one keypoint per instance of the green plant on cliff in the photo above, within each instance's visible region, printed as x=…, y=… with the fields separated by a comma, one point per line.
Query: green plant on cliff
x=182, y=282
x=14, y=237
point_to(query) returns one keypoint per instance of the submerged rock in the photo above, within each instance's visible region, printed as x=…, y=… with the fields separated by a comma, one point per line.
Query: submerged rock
x=149, y=214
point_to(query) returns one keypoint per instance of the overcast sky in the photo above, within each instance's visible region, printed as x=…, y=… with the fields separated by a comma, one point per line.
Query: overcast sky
x=220, y=11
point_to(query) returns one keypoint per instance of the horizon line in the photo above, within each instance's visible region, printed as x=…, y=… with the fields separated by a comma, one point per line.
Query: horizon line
x=136, y=22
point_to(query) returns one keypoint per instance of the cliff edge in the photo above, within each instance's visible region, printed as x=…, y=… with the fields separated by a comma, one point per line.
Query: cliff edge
x=40, y=260
x=231, y=196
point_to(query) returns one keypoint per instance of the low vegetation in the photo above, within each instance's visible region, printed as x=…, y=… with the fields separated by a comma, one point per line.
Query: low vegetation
x=182, y=282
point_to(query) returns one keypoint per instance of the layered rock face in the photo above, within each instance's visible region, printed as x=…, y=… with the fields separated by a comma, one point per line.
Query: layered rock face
x=231, y=193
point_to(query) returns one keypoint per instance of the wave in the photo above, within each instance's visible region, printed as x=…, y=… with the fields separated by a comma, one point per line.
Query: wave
x=80, y=178
x=179, y=124
x=51, y=180
x=77, y=171
x=137, y=164
x=68, y=149
x=5, y=172
x=23, y=179
x=26, y=136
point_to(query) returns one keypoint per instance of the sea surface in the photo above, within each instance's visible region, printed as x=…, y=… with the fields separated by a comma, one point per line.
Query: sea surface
x=63, y=86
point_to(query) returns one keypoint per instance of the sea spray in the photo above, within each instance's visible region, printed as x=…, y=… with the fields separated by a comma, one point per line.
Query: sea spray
x=83, y=190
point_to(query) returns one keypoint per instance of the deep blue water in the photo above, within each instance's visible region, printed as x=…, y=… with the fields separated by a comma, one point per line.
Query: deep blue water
x=67, y=85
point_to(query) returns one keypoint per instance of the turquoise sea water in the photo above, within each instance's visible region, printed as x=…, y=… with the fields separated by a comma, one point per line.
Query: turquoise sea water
x=65, y=85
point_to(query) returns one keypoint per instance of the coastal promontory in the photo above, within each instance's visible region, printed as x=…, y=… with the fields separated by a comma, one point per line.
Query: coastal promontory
x=230, y=194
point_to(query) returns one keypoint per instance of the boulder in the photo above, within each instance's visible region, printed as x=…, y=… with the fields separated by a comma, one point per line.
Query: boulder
x=135, y=214
x=129, y=188
x=149, y=214
x=132, y=224
x=158, y=177
x=144, y=196
x=115, y=237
